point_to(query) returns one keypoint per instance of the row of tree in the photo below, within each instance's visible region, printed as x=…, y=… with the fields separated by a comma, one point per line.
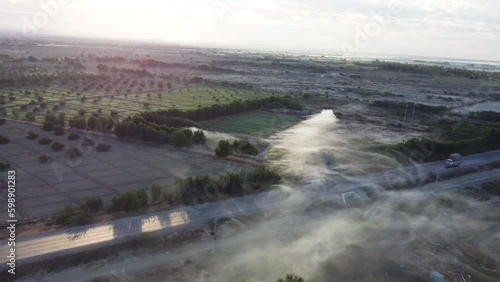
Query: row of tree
x=14, y=78
x=104, y=124
x=139, y=128
x=486, y=116
x=433, y=150
x=402, y=106
x=203, y=188
x=133, y=72
x=225, y=148
x=430, y=69
x=219, y=110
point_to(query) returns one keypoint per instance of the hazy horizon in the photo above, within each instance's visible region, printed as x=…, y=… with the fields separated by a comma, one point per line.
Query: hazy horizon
x=459, y=29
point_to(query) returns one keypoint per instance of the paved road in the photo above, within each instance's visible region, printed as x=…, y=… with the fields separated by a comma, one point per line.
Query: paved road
x=73, y=240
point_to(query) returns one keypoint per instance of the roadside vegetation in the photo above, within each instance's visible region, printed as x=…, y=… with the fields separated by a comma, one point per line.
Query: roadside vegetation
x=186, y=191
x=75, y=217
x=428, y=69
x=489, y=140
x=433, y=177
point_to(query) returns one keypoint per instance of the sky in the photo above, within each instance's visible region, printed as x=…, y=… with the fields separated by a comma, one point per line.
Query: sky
x=465, y=29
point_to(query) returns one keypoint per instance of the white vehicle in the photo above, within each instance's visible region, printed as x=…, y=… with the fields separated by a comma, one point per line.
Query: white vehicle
x=454, y=160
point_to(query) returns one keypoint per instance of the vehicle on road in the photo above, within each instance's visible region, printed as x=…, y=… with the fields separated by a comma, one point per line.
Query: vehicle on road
x=454, y=160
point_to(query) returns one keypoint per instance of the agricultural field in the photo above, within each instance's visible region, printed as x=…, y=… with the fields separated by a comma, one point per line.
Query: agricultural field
x=259, y=123
x=41, y=101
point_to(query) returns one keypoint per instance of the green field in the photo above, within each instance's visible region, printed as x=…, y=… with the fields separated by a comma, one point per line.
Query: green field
x=254, y=123
x=125, y=104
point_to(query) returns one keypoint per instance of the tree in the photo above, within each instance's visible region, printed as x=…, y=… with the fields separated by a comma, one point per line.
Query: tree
x=199, y=137
x=291, y=278
x=492, y=136
x=43, y=159
x=48, y=126
x=44, y=141
x=30, y=116
x=4, y=140
x=179, y=138
x=59, y=130
x=92, y=122
x=223, y=149
x=32, y=135
x=73, y=136
x=103, y=147
x=155, y=191
x=57, y=146
x=61, y=119
x=77, y=122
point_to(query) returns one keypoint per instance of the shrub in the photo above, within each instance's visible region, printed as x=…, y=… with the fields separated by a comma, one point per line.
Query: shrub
x=73, y=136
x=29, y=116
x=88, y=142
x=155, y=191
x=103, y=147
x=168, y=196
x=4, y=140
x=70, y=217
x=91, y=204
x=57, y=147
x=43, y=159
x=244, y=147
x=264, y=175
x=59, y=130
x=142, y=196
x=32, y=135
x=48, y=126
x=44, y=141
x=4, y=166
x=127, y=201
x=73, y=153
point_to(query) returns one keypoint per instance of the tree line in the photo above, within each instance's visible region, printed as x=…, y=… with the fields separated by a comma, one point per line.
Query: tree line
x=430, y=69
x=220, y=110
x=138, y=128
x=402, y=105
x=133, y=72
x=486, y=116
x=225, y=148
x=442, y=149
x=21, y=79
